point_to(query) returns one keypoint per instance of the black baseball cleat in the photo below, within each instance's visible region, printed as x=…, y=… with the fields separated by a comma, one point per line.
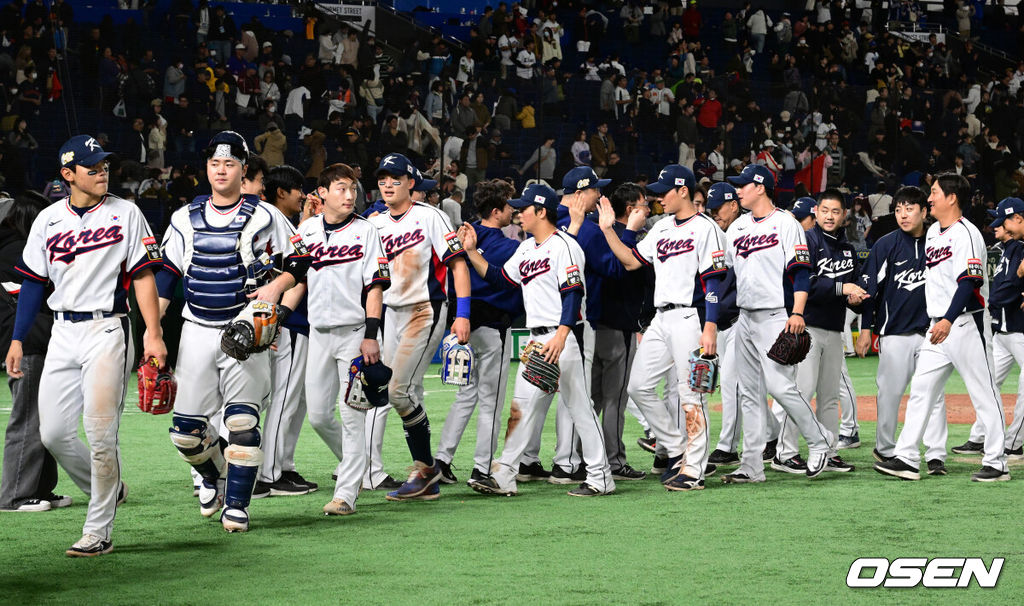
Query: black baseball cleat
x=673, y=467
x=287, y=488
x=261, y=490
x=532, y=472
x=584, y=490
x=881, y=458
x=122, y=495
x=990, y=474
x=561, y=476
x=682, y=483
x=1014, y=454
x=836, y=463
x=794, y=465
x=710, y=470
x=898, y=469
x=647, y=443
x=447, y=477
x=937, y=468
x=738, y=478
x=477, y=476
x=659, y=466
x=388, y=483
x=849, y=441
x=969, y=447
x=628, y=473
x=768, y=454
x=297, y=478
x=721, y=457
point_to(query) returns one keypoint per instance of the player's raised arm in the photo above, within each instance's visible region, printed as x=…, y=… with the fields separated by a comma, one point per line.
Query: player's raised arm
x=623, y=253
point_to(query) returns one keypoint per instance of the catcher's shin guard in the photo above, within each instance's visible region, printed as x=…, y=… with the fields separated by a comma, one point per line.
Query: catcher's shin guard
x=195, y=443
x=243, y=453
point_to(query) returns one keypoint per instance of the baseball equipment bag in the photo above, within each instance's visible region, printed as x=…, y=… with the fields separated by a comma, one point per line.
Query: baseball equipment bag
x=367, y=385
x=253, y=330
x=157, y=387
x=789, y=348
x=538, y=371
x=703, y=372
x=456, y=361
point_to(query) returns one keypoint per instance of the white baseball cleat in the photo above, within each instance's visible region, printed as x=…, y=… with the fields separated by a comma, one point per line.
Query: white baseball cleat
x=234, y=519
x=211, y=498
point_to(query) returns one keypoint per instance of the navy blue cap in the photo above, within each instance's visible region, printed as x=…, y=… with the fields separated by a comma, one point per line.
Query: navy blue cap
x=803, y=207
x=422, y=183
x=754, y=173
x=1007, y=208
x=81, y=150
x=719, y=194
x=673, y=176
x=375, y=380
x=396, y=164
x=537, y=194
x=580, y=178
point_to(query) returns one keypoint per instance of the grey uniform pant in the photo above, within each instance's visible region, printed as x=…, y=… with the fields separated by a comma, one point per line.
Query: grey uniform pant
x=30, y=471
x=613, y=358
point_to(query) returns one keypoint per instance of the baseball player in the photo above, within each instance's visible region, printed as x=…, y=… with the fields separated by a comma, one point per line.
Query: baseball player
x=768, y=250
x=287, y=409
x=1005, y=302
x=421, y=247
x=491, y=314
x=224, y=246
x=348, y=265
x=955, y=290
x=686, y=248
x=849, y=428
x=375, y=478
x=834, y=272
x=90, y=246
x=893, y=276
x=549, y=266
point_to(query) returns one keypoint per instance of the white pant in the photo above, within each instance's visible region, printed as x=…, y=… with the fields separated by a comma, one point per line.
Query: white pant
x=492, y=349
x=574, y=396
x=672, y=336
x=283, y=419
x=816, y=376
x=964, y=349
x=411, y=336
x=759, y=377
x=85, y=375
x=729, y=436
x=331, y=352
x=1007, y=348
x=208, y=378
x=897, y=360
x=567, y=440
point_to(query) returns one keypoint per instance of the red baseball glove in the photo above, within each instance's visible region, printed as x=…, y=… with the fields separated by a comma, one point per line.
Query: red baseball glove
x=157, y=388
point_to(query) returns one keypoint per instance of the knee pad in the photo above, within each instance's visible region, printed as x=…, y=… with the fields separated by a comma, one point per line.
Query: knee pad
x=191, y=437
x=244, y=449
x=241, y=417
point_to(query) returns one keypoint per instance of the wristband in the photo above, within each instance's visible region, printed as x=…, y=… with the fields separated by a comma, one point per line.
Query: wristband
x=462, y=307
x=372, y=326
x=283, y=312
x=797, y=314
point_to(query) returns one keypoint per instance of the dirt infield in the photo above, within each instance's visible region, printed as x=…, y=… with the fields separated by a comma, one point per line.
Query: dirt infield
x=958, y=408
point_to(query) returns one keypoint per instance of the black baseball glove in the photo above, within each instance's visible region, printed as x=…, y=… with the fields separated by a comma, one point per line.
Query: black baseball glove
x=790, y=348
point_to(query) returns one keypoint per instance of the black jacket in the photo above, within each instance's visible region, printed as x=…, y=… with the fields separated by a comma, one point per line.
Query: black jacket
x=39, y=336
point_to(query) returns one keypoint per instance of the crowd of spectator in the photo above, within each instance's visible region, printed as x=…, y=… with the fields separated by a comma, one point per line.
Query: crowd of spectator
x=824, y=96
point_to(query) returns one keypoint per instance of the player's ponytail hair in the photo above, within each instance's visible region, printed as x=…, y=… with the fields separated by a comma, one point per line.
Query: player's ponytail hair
x=954, y=184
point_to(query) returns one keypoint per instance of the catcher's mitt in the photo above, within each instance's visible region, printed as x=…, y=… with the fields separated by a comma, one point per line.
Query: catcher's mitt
x=538, y=371
x=790, y=348
x=157, y=387
x=457, y=361
x=253, y=330
x=703, y=372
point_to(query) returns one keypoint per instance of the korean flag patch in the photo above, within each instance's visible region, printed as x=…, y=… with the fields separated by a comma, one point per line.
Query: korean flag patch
x=383, y=269
x=718, y=260
x=801, y=254
x=572, y=276
x=454, y=245
x=974, y=268
x=300, y=246
x=152, y=248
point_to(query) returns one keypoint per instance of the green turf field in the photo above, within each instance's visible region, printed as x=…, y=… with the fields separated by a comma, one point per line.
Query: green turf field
x=788, y=541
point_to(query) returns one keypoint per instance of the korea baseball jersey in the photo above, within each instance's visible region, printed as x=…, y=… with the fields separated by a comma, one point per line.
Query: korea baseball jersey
x=418, y=245
x=544, y=271
x=679, y=274
x=953, y=254
x=762, y=251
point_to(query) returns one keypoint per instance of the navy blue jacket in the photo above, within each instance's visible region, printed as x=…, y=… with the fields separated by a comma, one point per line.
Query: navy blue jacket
x=894, y=277
x=491, y=306
x=833, y=264
x=622, y=299
x=601, y=261
x=1004, y=292
x=728, y=311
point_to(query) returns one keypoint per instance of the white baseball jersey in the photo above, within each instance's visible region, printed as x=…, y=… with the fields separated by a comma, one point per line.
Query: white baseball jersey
x=272, y=233
x=418, y=245
x=953, y=254
x=762, y=251
x=683, y=254
x=545, y=271
x=105, y=246
x=346, y=262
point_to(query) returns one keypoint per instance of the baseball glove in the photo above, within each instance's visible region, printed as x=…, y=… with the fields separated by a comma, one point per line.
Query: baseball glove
x=703, y=372
x=538, y=371
x=253, y=330
x=157, y=387
x=790, y=348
